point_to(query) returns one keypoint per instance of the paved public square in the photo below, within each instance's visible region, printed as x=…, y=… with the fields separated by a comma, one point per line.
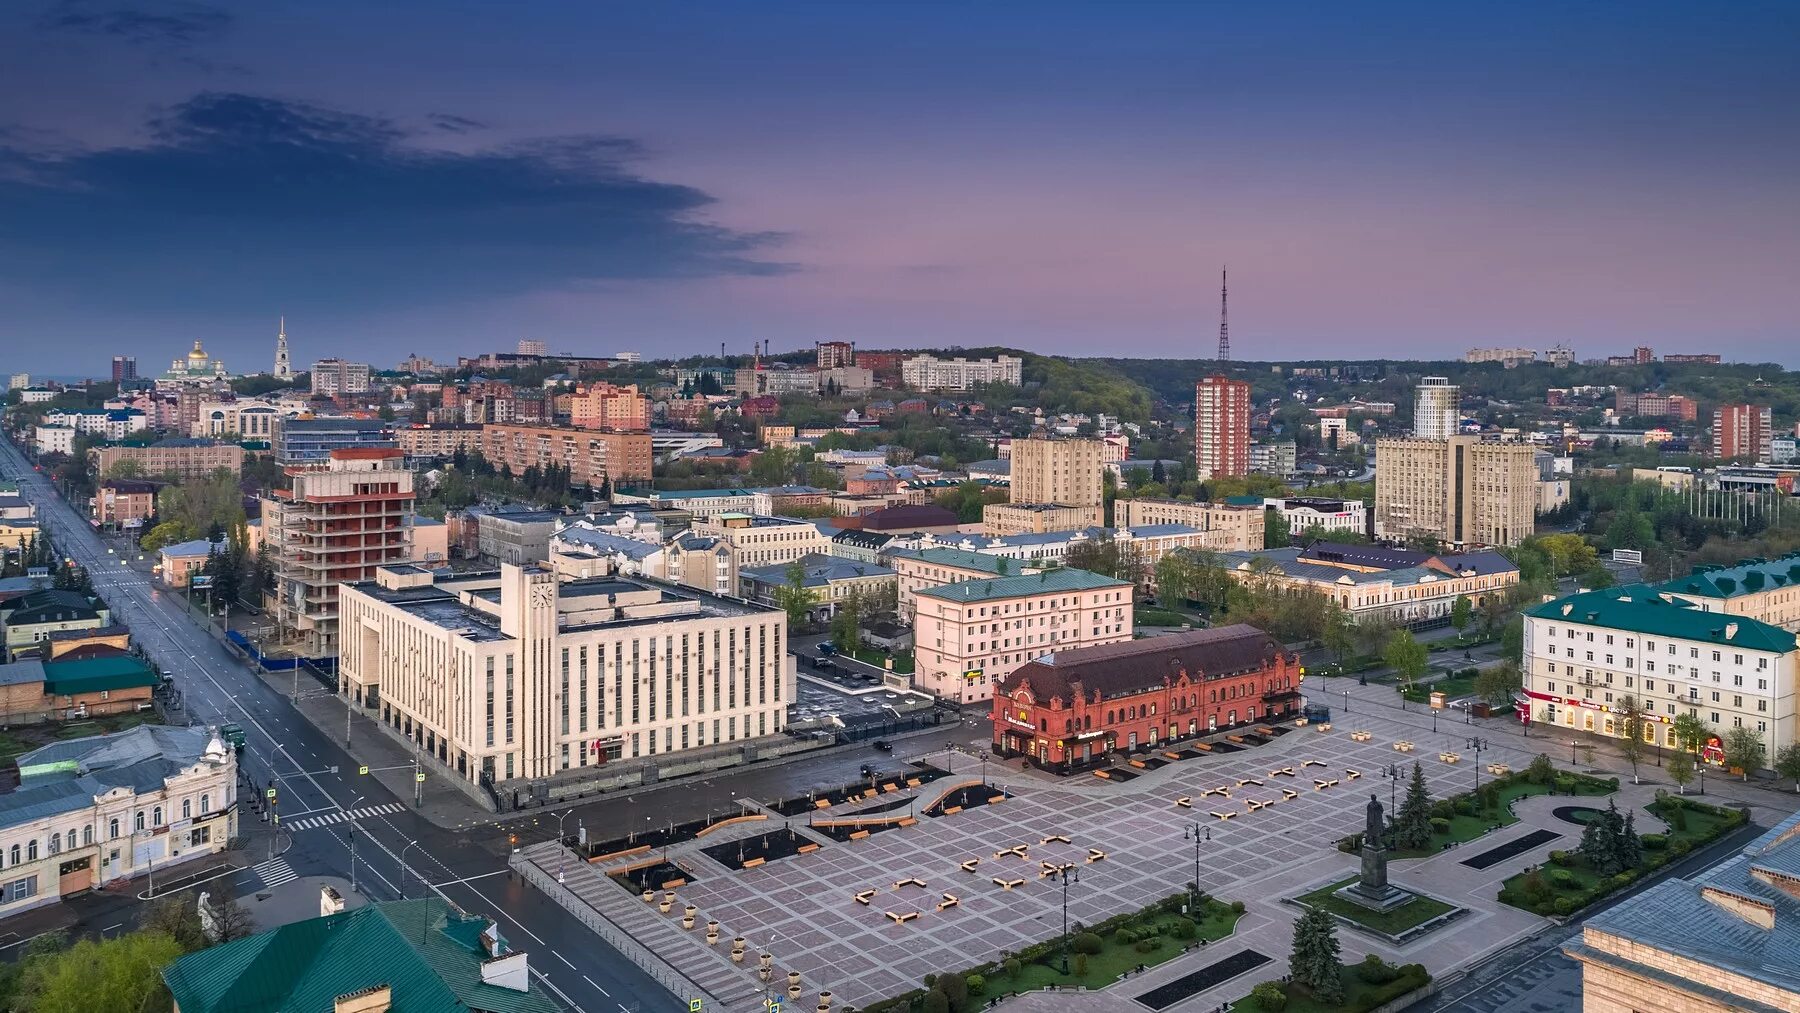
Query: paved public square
x=802, y=909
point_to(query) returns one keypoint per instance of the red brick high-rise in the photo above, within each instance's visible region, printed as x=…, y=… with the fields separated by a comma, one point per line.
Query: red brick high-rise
x=1221, y=427
x=1742, y=431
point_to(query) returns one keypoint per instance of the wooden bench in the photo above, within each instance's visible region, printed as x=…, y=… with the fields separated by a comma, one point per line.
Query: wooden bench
x=911, y=881
x=906, y=821
x=950, y=900
x=1096, y=855
x=1312, y=763
x=1223, y=816
x=823, y=803
x=806, y=849
x=1282, y=772
x=1136, y=763
x=1352, y=774
x=864, y=897
x=859, y=835
x=969, y=866
x=1248, y=780
x=754, y=862
x=1184, y=802
x=1056, y=837
x=1017, y=851
x=902, y=917
x=1254, y=804
x=1289, y=794
x=953, y=810
x=1007, y=884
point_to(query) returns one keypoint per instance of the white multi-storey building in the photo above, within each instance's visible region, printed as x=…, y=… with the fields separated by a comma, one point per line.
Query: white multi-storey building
x=1585, y=653
x=1437, y=409
x=928, y=372
x=518, y=674
x=1303, y=513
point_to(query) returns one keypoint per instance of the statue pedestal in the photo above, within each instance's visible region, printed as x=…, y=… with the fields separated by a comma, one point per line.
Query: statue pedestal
x=1385, y=897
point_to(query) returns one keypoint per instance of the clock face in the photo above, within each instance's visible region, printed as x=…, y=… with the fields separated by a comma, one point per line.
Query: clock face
x=543, y=595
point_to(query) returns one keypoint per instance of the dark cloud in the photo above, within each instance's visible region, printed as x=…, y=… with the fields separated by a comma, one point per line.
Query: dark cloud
x=176, y=26
x=453, y=124
x=239, y=202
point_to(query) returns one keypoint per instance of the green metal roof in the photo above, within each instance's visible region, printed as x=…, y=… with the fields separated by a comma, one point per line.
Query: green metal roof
x=1642, y=609
x=92, y=675
x=1047, y=582
x=963, y=559
x=1747, y=577
x=426, y=953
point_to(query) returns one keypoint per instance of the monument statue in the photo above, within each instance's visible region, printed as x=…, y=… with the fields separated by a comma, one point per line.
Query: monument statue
x=1372, y=890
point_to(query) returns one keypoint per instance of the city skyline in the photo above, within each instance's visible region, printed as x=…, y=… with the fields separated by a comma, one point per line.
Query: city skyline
x=1397, y=182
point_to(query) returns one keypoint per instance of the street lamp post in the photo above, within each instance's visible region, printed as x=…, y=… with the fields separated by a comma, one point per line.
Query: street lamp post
x=562, y=854
x=1194, y=832
x=1392, y=773
x=1478, y=744
x=1065, y=873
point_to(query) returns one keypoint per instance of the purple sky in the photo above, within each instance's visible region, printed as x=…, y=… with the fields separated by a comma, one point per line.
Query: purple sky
x=1391, y=180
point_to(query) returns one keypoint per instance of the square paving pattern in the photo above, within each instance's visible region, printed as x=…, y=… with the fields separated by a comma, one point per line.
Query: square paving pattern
x=803, y=910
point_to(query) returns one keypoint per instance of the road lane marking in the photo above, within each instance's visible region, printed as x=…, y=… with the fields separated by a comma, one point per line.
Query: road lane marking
x=562, y=958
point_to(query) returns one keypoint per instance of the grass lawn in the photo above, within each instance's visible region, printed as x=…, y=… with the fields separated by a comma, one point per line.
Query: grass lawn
x=1114, y=958
x=1161, y=617
x=1419, y=911
x=1359, y=995
x=103, y=726
x=1464, y=829
x=12, y=746
x=903, y=662
x=1700, y=824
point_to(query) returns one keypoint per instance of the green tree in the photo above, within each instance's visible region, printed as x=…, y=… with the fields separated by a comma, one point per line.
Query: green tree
x=1372, y=630
x=1407, y=657
x=794, y=597
x=1512, y=640
x=1743, y=749
x=1681, y=770
x=846, y=622
x=110, y=976
x=1691, y=732
x=1412, y=824
x=1460, y=613
x=1569, y=554
x=1497, y=683
x=1275, y=530
x=178, y=917
x=1337, y=634
x=1630, y=722
x=1597, y=577
x=1314, y=960
x=1787, y=763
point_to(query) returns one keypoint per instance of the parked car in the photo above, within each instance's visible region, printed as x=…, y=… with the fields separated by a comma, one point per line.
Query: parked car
x=827, y=649
x=883, y=745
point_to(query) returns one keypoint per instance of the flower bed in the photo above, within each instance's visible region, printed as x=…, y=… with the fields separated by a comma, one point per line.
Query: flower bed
x=1367, y=985
x=1098, y=955
x=1410, y=915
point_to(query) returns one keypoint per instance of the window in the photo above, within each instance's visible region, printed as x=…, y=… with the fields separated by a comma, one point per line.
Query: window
x=205, y=804
x=156, y=819
x=187, y=808
x=140, y=819
x=31, y=850
x=113, y=828
x=15, y=855
x=18, y=890
x=199, y=836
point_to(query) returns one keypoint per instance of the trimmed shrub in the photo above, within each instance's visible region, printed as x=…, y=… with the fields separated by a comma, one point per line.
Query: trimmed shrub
x=1563, y=905
x=1439, y=825
x=955, y=988
x=1147, y=944
x=1534, y=887
x=1565, y=786
x=1087, y=942
x=1270, y=997
x=936, y=1002
x=1655, y=842
x=977, y=984
x=1237, y=907
x=1465, y=806
x=1376, y=971
x=1562, y=879
x=1013, y=967
x=1541, y=770
x=1562, y=858
x=1680, y=848
x=1186, y=928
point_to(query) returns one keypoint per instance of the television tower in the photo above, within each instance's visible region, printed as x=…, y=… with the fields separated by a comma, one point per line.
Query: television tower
x=283, y=370
x=1224, y=325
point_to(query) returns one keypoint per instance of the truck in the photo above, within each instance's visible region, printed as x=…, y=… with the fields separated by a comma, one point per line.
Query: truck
x=234, y=734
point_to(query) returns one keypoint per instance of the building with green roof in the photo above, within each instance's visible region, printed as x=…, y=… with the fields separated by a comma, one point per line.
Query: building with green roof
x=1763, y=589
x=969, y=635
x=409, y=956
x=1590, y=656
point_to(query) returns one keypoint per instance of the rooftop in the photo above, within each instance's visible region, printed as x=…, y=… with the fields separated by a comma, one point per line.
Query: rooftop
x=962, y=559
x=64, y=777
x=1747, y=577
x=1641, y=608
x=429, y=954
x=820, y=571
x=1046, y=582
x=1131, y=666
x=1742, y=916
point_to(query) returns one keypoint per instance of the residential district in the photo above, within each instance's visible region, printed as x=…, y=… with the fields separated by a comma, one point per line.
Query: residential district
x=902, y=680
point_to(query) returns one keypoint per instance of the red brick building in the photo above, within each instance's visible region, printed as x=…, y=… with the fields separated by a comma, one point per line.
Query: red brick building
x=763, y=406
x=1068, y=709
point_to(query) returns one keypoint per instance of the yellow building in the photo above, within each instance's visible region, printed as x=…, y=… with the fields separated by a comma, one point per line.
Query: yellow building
x=1461, y=490
x=1232, y=526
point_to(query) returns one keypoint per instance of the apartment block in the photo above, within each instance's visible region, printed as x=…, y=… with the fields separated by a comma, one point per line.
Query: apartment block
x=591, y=456
x=337, y=377
x=1585, y=653
x=1742, y=432
x=521, y=675
x=1221, y=427
x=832, y=354
x=970, y=635
x=437, y=440
x=1767, y=590
x=928, y=372
x=309, y=441
x=1656, y=405
x=1461, y=491
x=605, y=406
x=336, y=523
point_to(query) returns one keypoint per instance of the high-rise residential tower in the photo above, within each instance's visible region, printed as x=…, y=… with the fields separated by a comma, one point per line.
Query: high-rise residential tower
x=1742, y=431
x=1436, y=409
x=1221, y=427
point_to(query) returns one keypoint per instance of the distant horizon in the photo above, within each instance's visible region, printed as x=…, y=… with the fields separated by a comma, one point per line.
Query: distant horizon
x=1383, y=180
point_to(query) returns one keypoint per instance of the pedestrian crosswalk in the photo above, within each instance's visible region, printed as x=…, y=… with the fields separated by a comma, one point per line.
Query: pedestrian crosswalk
x=344, y=816
x=275, y=872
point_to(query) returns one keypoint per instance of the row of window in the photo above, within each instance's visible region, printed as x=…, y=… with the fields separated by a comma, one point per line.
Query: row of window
x=57, y=843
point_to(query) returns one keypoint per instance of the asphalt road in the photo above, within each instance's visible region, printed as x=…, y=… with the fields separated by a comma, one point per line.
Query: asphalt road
x=396, y=852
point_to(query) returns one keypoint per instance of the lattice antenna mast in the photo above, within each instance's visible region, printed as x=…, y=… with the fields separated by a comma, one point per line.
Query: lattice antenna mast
x=1224, y=322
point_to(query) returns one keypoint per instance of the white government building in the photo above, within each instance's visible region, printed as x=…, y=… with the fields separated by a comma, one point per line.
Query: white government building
x=517, y=673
